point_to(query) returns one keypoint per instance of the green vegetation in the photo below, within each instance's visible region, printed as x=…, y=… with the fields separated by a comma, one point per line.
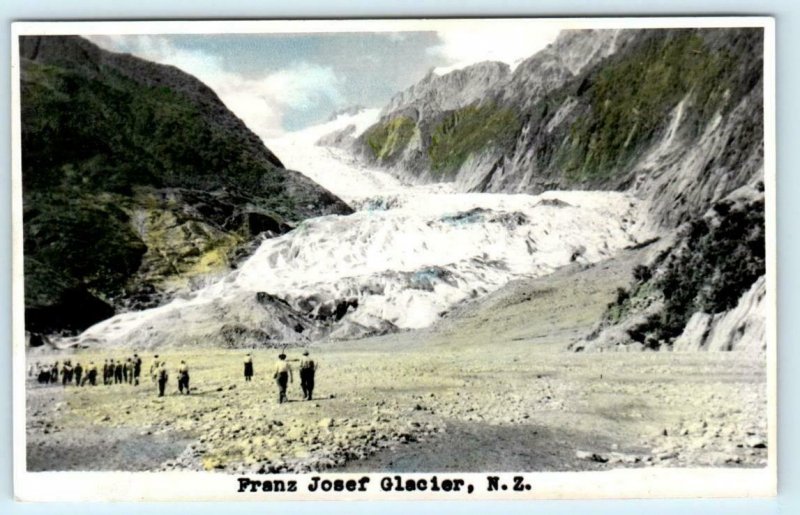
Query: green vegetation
x=629, y=301
x=388, y=139
x=718, y=262
x=722, y=262
x=109, y=133
x=469, y=130
x=88, y=142
x=96, y=134
x=632, y=97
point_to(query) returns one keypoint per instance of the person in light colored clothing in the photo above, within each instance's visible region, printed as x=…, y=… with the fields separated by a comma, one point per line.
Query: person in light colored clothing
x=283, y=376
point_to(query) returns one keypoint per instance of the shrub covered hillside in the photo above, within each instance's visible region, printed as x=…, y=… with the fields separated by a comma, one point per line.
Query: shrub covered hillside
x=710, y=273
x=136, y=179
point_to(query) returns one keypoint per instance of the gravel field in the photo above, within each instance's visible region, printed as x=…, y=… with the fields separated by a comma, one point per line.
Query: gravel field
x=491, y=387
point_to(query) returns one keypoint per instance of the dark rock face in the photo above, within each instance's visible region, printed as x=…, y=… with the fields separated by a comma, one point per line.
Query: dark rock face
x=136, y=180
x=76, y=309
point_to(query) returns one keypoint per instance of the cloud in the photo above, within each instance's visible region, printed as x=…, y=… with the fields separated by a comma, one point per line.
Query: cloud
x=509, y=41
x=262, y=102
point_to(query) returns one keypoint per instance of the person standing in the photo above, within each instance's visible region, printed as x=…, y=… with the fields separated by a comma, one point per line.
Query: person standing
x=163, y=377
x=137, y=369
x=154, y=369
x=107, y=367
x=66, y=373
x=183, y=378
x=125, y=368
x=118, y=372
x=307, y=370
x=283, y=376
x=54, y=373
x=78, y=373
x=248, y=367
x=91, y=374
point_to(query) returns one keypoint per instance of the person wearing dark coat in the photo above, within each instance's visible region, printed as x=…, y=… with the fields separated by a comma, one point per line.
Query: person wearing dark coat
x=307, y=370
x=183, y=378
x=78, y=373
x=248, y=368
x=137, y=369
x=118, y=372
x=66, y=373
x=44, y=375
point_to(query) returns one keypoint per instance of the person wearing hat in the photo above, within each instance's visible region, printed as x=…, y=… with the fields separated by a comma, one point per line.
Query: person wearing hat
x=248, y=367
x=283, y=376
x=307, y=369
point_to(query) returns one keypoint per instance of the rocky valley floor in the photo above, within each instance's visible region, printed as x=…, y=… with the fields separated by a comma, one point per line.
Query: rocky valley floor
x=488, y=388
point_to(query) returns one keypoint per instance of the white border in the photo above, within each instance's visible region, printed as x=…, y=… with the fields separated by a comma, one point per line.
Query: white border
x=622, y=483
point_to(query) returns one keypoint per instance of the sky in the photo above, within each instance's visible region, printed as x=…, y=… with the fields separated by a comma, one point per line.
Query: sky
x=277, y=83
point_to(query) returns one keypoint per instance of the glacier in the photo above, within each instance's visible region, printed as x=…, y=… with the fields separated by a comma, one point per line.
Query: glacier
x=405, y=257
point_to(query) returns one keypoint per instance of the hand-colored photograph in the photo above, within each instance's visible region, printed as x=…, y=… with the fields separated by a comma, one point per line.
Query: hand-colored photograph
x=508, y=245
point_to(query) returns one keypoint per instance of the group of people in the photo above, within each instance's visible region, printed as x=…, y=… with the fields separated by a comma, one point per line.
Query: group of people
x=65, y=374
x=159, y=374
x=129, y=370
x=122, y=371
x=283, y=375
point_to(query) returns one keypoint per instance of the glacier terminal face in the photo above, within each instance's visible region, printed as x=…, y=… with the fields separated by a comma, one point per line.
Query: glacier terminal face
x=405, y=257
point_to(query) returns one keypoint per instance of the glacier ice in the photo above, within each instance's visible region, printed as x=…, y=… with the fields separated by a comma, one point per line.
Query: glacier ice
x=408, y=254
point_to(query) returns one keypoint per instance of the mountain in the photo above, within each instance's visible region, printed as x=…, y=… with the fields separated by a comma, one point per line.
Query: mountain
x=597, y=109
x=137, y=181
x=674, y=116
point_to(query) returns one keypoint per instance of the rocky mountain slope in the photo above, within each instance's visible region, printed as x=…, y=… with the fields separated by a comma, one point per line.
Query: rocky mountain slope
x=674, y=116
x=598, y=109
x=137, y=180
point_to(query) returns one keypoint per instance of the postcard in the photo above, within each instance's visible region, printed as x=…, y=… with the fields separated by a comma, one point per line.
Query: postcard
x=394, y=259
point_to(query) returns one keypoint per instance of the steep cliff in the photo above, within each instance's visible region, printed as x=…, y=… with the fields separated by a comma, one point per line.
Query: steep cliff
x=136, y=180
